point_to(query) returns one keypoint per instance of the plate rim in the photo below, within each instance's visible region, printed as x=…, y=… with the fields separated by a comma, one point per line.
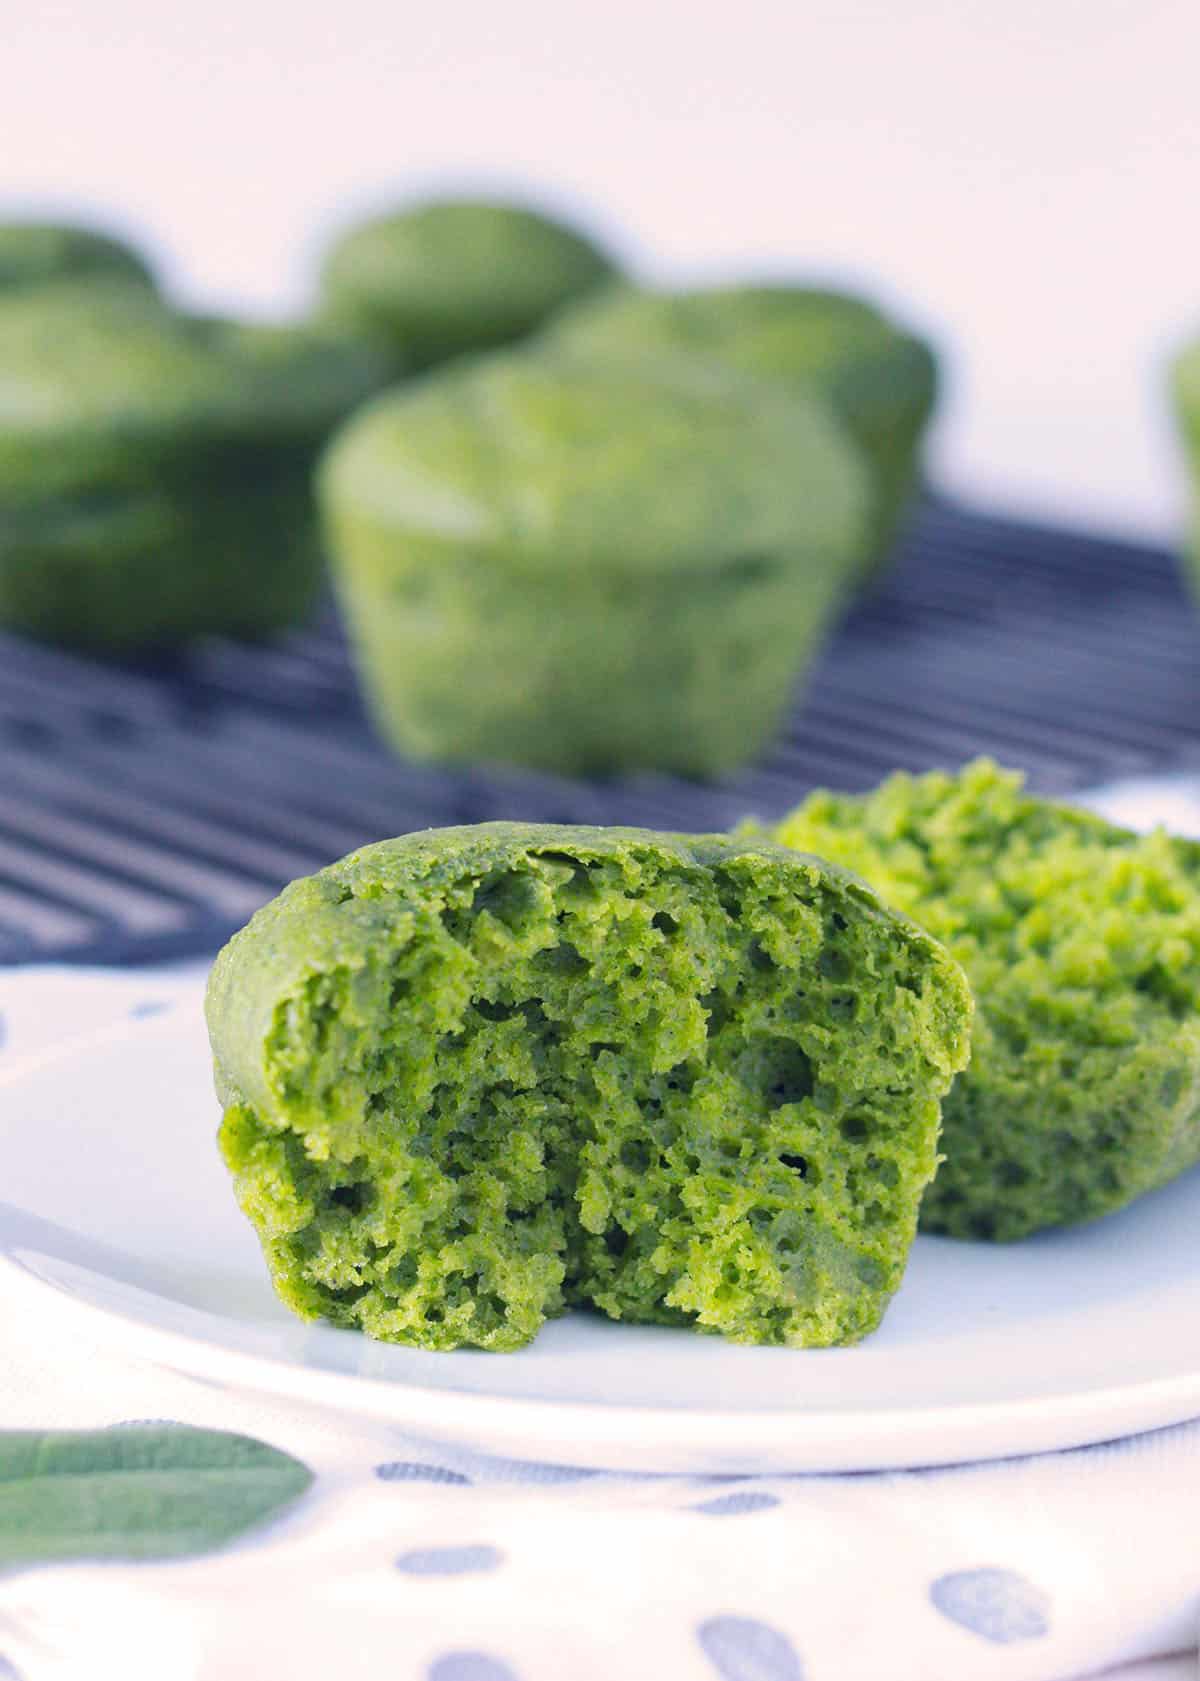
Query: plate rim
x=625, y=1437
x=649, y=1439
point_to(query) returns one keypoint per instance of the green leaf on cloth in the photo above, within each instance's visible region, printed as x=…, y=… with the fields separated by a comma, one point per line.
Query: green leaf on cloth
x=164, y=1491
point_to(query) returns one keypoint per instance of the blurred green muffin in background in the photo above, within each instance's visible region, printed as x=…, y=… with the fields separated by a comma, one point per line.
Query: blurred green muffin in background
x=453, y=275
x=1185, y=389
x=881, y=381
x=553, y=562
x=155, y=467
x=32, y=253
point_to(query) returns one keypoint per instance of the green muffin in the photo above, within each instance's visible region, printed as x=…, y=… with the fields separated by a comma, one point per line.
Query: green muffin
x=455, y=275
x=32, y=253
x=155, y=467
x=880, y=381
x=1081, y=942
x=587, y=569
x=1185, y=388
x=473, y=1077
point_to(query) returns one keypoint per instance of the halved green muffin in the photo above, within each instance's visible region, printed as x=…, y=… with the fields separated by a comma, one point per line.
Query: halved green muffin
x=33, y=253
x=550, y=562
x=474, y=1076
x=155, y=467
x=880, y=380
x=1081, y=942
x=440, y=278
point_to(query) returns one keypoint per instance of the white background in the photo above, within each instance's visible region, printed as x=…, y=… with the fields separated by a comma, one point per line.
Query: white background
x=1024, y=177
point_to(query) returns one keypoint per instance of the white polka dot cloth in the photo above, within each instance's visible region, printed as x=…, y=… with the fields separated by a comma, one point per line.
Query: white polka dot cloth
x=410, y=1563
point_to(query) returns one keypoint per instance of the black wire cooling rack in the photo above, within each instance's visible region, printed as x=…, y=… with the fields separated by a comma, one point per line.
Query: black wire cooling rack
x=146, y=809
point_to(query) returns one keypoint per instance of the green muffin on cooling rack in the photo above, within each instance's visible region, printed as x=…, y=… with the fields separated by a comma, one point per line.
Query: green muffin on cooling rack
x=155, y=467
x=1185, y=387
x=436, y=279
x=472, y=1077
x=35, y=253
x=550, y=562
x=880, y=379
x=1081, y=942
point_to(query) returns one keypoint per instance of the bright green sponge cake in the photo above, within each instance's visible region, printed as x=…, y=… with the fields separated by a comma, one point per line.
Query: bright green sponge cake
x=155, y=467
x=474, y=1076
x=550, y=562
x=435, y=279
x=880, y=380
x=1082, y=945
x=34, y=253
x=1185, y=382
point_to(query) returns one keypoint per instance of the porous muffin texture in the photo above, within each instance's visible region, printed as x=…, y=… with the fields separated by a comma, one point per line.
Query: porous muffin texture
x=155, y=468
x=1081, y=942
x=473, y=1077
x=33, y=253
x=1185, y=390
x=586, y=569
x=880, y=380
x=450, y=276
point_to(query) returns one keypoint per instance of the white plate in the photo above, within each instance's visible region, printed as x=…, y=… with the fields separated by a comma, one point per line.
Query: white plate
x=115, y=1197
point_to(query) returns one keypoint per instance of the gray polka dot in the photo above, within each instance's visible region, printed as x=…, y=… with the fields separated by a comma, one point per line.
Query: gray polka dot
x=997, y=1605
x=3, y=1032
x=469, y=1666
x=741, y=1649
x=531, y=1471
x=449, y=1561
x=735, y=1505
x=149, y=1007
x=409, y=1471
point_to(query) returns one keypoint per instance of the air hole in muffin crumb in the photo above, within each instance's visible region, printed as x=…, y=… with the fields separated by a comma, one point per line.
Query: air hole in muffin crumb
x=760, y=957
x=490, y=1010
x=787, y=1071
x=508, y=897
x=717, y=1007
x=353, y=1198
x=883, y=1170
x=565, y=959
x=580, y=870
x=833, y=965
x=729, y=894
